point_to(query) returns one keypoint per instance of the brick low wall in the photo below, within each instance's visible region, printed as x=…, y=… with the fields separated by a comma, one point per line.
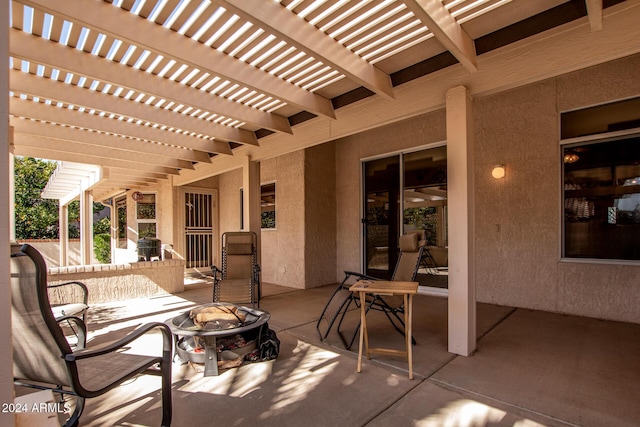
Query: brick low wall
x=115, y=282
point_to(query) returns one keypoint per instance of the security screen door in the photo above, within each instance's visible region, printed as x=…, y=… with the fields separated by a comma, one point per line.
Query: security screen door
x=199, y=245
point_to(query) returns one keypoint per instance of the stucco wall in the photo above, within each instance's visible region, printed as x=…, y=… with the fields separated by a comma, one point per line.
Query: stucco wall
x=116, y=282
x=283, y=254
x=518, y=218
x=229, y=184
x=320, y=215
x=426, y=129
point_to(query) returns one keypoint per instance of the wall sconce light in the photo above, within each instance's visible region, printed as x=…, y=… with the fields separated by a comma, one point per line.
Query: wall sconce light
x=498, y=172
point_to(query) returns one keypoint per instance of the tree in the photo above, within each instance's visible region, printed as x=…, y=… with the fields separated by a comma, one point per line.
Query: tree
x=36, y=218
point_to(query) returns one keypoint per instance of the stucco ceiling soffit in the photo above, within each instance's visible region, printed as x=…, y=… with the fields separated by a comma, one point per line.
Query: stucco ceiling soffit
x=446, y=29
x=297, y=32
x=128, y=27
x=41, y=51
x=118, y=142
x=122, y=110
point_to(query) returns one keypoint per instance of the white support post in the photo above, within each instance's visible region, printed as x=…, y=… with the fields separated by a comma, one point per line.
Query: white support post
x=63, y=226
x=251, y=198
x=86, y=227
x=462, y=296
x=6, y=201
x=12, y=188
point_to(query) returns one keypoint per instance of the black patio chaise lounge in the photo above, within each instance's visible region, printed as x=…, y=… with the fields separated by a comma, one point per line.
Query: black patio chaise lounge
x=43, y=359
x=238, y=281
x=410, y=258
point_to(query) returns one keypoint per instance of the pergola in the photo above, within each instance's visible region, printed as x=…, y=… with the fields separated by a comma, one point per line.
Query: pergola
x=152, y=89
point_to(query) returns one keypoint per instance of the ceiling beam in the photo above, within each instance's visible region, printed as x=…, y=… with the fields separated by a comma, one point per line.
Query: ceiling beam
x=298, y=32
x=446, y=29
x=141, y=32
x=118, y=142
x=92, y=154
x=546, y=55
x=25, y=83
x=112, y=171
x=40, y=153
x=55, y=55
x=594, y=10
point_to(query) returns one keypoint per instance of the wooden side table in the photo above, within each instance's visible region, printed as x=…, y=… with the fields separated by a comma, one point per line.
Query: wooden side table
x=381, y=287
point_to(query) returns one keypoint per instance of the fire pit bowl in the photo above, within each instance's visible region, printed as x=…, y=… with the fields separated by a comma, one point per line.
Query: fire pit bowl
x=185, y=332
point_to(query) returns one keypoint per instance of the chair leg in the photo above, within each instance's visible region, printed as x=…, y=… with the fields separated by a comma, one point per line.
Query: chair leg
x=388, y=311
x=166, y=397
x=165, y=366
x=75, y=417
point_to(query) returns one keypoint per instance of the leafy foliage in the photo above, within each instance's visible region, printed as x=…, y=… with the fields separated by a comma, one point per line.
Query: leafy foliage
x=36, y=218
x=102, y=247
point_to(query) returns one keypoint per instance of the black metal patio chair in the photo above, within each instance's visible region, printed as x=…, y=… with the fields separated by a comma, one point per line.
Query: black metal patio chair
x=43, y=359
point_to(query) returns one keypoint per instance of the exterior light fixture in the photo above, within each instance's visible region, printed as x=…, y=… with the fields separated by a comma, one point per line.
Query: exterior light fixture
x=498, y=172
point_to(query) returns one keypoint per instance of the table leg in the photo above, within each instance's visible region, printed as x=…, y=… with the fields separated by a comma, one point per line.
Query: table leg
x=408, y=317
x=363, y=328
x=210, y=356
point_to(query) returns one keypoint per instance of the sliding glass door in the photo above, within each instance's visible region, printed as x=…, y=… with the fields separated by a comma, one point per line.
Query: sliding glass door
x=421, y=205
x=381, y=224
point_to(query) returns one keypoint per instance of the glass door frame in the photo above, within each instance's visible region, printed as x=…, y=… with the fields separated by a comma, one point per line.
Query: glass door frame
x=363, y=214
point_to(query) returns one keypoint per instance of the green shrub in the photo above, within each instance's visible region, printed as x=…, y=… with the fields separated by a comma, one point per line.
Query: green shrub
x=102, y=248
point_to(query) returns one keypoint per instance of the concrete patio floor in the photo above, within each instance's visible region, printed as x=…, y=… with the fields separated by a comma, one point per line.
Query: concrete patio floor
x=531, y=368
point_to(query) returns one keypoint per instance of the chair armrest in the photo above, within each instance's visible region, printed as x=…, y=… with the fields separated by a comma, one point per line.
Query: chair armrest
x=217, y=273
x=359, y=276
x=137, y=333
x=81, y=333
x=82, y=286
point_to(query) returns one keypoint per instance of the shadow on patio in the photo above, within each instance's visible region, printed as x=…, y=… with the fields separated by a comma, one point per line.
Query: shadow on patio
x=531, y=368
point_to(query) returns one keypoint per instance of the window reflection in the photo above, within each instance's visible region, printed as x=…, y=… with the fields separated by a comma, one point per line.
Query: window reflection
x=602, y=200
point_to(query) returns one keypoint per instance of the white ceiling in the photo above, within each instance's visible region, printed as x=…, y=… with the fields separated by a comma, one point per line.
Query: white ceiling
x=147, y=89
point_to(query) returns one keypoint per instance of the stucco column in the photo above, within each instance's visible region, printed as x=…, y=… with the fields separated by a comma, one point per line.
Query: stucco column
x=6, y=374
x=86, y=227
x=462, y=295
x=251, y=198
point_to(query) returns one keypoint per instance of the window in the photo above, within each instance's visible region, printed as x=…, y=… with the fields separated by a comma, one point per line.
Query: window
x=602, y=199
x=121, y=222
x=268, y=205
x=146, y=215
x=601, y=178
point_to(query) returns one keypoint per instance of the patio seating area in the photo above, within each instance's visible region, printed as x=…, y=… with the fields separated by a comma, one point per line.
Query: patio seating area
x=531, y=368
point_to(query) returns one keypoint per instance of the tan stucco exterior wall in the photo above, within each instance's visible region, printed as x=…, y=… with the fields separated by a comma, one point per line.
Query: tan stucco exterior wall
x=320, y=215
x=283, y=256
x=518, y=233
x=518, y=230
x=300, y=251
x=229, y=184
x=427, y=129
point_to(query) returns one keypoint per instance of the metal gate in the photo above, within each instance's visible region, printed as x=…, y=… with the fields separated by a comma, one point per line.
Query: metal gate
x=198, y=230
